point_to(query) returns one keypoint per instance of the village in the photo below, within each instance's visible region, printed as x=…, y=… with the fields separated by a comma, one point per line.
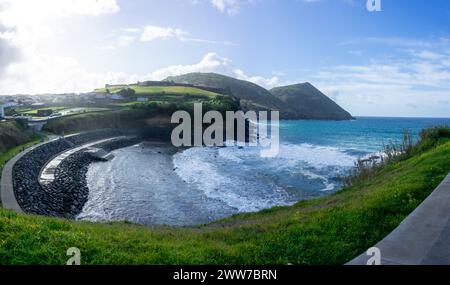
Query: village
x=37, y=110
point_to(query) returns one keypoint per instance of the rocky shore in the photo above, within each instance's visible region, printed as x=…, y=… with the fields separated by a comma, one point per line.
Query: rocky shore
x=67, y=194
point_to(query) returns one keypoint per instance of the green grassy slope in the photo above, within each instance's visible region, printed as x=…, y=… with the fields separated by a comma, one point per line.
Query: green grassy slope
x=132, y=114
x=158, y=90
x=309, y=103
x=13, y=151
x=123, y=118
x=329, y=230
x=253, y=97
x=301, y=101
x=11, y=135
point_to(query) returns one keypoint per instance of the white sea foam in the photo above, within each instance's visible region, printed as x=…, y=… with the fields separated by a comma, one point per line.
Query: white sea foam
x=206, y=169
x=236, y=175
x=316, y=156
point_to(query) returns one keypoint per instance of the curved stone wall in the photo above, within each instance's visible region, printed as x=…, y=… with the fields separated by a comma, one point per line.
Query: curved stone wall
x=66, y=195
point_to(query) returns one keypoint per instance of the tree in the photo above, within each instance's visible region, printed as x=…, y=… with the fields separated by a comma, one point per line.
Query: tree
x=128, y=92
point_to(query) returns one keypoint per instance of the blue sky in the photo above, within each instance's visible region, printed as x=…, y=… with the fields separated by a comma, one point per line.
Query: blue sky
x=390, y=63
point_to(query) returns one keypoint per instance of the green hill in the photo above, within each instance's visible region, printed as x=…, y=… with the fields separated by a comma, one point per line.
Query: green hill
x=307, y=102
x=252, y=96
x=302, y=101
x=159, y=90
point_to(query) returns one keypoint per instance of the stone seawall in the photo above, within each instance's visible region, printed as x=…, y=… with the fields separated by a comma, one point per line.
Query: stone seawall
x=67, y=194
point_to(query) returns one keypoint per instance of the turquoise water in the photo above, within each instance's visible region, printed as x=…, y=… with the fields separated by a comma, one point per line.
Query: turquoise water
x=313, y=155
x=149, y=185
x=366, y=134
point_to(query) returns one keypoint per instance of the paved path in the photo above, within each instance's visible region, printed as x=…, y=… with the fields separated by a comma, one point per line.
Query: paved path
x=8, y=199
x=423, y=238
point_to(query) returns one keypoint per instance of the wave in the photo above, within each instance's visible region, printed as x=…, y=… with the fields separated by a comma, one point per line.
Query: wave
x=244, y=180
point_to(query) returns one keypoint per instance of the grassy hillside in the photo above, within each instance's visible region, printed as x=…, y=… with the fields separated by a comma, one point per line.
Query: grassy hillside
x=301, y=101
x=11, y=134
x=135, y=115
x=124, y=118
x=329, y=230
x=309, y=103
x=252, y=96
x=161, y=90
x=13, y=151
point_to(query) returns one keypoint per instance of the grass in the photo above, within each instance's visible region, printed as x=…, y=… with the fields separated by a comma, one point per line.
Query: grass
x=12, y=134
x=161, y=90
x=330, y=230
x=10, y=153
x=162, y=101
x=66, y=110
x=34, y=112
x=135, y=114
x=366, y=168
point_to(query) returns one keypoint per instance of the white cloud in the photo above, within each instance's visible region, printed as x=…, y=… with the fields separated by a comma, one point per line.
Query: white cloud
x=416, y=85
x=151, y=33
x=54, y=74
x=28, y=26
x=426, y=54
x=210, y=63
x=213, y=63
x=392, y=41
x=125, y=37
x=231, y=7
x=30, y=13
x=260, y=80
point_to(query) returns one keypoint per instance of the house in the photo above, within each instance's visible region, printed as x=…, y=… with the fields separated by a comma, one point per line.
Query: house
x=142, y=99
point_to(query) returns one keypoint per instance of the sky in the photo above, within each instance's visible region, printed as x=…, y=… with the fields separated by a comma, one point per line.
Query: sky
x=393, y=62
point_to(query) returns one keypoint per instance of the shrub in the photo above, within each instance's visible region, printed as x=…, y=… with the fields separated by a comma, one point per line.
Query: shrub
x=392, y=153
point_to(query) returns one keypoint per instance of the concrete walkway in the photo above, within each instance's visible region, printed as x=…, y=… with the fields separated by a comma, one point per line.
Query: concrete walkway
x=423, y=238
x=8, y=199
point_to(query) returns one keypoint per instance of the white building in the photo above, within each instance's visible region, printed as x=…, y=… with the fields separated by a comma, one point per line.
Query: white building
x=8, y=104
x=142, y=99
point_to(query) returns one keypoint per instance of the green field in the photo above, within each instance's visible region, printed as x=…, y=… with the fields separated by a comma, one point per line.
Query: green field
x=159, y=90
x=33, y=112
x=329, y=230
x=66, y=110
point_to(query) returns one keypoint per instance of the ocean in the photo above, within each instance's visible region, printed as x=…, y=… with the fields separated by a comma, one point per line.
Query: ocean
x=157, y=185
